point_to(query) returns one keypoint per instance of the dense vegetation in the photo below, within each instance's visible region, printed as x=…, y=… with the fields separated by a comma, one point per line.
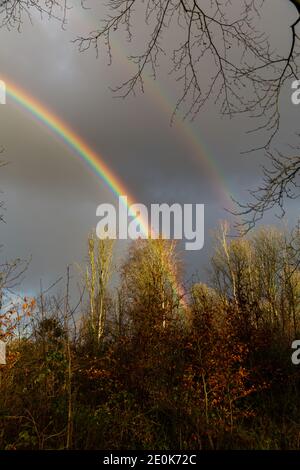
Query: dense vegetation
x=148, y=365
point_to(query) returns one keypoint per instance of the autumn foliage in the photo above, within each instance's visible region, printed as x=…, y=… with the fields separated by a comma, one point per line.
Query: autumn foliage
x=147, y=363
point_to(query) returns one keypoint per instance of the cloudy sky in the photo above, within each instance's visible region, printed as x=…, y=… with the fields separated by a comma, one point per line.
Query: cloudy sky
x=51, y=196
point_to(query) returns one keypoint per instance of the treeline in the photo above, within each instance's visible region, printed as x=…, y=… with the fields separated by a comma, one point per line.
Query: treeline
x=152, y=365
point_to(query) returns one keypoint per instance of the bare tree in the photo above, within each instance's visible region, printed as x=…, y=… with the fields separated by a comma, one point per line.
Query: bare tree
x=98, y=274
x=12, y=12
x=280, y=183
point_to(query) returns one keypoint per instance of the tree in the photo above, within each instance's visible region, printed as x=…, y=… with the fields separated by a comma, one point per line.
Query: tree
x=280, y=183
x=151, y=278
x=259, y=275
x=98, y=273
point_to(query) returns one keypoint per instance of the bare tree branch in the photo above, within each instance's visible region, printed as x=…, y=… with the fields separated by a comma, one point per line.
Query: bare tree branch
x=246, y=75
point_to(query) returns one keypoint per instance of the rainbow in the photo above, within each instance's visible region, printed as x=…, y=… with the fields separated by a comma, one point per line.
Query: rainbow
x=86, y=154
x=200, y=152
